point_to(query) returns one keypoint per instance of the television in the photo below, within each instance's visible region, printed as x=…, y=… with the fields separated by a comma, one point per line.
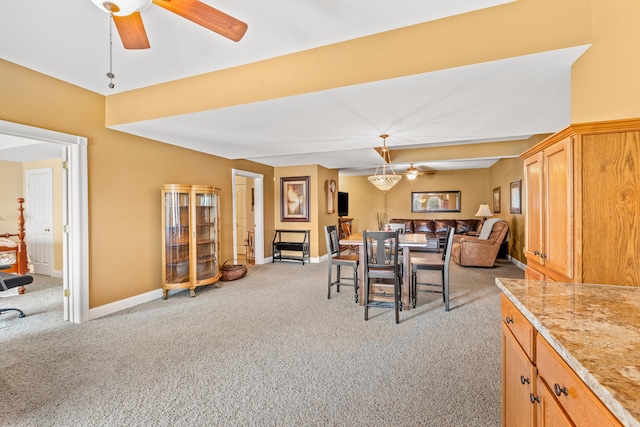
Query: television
x=343, y=203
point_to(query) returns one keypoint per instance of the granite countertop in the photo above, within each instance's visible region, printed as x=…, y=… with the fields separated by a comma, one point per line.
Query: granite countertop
x=595, y=329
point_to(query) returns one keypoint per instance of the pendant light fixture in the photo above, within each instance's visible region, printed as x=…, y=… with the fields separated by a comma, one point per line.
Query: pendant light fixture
x=384, y=181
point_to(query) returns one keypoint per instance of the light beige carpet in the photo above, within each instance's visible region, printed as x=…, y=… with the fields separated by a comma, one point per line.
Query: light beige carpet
x=266, y=350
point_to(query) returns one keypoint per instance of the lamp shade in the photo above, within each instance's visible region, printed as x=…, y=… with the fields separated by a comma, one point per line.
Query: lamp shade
x=484, y=211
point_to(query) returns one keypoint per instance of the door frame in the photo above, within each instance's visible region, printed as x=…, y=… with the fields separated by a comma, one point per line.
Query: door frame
x=75, y=214
x=258, y=213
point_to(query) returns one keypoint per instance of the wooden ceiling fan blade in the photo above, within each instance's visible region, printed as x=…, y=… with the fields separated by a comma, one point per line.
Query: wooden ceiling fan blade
x=207, y=16
x=131, y=31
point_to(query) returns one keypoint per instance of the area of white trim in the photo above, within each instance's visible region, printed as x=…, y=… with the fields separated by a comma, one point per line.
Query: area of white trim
x=517, y=263
x=123, y=304
x=258, y=184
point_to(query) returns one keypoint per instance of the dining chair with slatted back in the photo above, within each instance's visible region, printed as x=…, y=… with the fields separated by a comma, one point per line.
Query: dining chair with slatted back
x=382, y=272
x=335, y=257
x=433, y=262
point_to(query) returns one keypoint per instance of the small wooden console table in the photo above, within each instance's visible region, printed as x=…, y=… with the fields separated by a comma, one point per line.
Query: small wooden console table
x=291, y=241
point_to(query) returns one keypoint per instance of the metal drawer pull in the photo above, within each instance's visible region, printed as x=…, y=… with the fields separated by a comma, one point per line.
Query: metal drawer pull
x=533, y=398
x=559, y=390
x=536, y=253
x=524, y=380
x=508, y=319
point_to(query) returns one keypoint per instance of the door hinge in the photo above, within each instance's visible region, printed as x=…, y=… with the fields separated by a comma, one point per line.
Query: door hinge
x=67, y=293
x=65, y=164
x=66, y=228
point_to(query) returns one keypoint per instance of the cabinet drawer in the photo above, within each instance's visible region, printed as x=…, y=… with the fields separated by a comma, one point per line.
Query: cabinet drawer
x=572, y=394
x=519, y=326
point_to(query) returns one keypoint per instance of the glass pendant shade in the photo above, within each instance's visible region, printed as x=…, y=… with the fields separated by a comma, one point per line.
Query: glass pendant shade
x=122, y=7
x=384, y=181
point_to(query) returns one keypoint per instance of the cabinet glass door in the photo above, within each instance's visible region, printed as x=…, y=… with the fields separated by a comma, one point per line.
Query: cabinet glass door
x=177, y=234
x=206, y=229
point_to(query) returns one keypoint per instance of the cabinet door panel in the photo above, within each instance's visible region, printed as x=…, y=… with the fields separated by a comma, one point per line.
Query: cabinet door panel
x=518, y=379
x=577, y=400
x=549, y=413
x=534, y=205
x=558, y=215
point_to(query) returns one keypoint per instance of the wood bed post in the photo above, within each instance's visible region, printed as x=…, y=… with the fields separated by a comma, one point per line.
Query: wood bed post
x=21, y=253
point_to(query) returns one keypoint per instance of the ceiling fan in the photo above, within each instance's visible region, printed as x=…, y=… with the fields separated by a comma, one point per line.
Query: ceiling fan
x=413, y=172
x=126, y=16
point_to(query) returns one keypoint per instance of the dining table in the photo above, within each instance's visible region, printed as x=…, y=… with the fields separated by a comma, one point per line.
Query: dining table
x=407, y=242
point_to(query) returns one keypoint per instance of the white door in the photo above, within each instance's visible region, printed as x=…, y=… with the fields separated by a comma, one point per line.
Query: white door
x=241, y=217
x=39, y=219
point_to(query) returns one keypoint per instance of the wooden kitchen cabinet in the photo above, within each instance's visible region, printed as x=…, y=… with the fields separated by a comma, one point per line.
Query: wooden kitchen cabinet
x=568, y=392
x=581, y=197
x=538, y=387
x=518, y=367
x=190, y=237
x=548, y=179
x=518, y=383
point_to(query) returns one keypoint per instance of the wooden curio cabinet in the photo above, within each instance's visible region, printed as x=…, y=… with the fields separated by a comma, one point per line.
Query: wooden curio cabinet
x=190, y=237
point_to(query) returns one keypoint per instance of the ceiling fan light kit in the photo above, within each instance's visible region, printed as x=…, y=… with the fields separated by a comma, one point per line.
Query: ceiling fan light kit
x=412, y=172
x=122, y=7
x=126, y=15
x=384, y=181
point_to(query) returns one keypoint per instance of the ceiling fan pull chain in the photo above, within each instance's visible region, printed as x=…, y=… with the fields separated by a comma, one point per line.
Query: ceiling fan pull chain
x=110, y=73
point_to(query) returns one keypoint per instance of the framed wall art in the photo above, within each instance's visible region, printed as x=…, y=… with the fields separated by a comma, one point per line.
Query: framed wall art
x=516, y=195
x=294, y=199
x=496, y=200
x=435, y=201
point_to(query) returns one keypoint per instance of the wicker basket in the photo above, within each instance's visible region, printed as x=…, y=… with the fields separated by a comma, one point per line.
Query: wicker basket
x=233, y=271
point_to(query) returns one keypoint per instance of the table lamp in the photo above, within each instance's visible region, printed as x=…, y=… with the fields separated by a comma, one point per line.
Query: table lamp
x=484, y=212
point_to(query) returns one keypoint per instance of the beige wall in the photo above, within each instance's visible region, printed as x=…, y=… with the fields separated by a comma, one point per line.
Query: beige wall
x=318, y=215
x=365, y=201
x=125, y=172
x=125, y=175
x=476, y=187
x=12, y=189
x=604, y=81
x=501, y=175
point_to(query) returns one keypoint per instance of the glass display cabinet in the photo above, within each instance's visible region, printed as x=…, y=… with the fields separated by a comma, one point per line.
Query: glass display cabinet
x=190, y=237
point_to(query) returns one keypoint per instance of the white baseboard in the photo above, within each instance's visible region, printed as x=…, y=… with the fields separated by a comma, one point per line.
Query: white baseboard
x=517, y=263
x=104, y=310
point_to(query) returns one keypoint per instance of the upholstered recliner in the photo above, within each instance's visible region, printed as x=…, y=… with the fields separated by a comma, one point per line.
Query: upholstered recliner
x=472, y=251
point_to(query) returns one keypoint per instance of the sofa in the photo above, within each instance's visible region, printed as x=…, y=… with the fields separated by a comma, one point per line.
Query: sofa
x=438, y=227
x=473, y=251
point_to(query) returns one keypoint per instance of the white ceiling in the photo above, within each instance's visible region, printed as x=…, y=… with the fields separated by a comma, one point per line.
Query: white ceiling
x=501, y=100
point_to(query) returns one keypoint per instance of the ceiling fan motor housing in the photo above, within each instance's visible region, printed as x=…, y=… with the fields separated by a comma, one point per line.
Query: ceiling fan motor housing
x=122, y=7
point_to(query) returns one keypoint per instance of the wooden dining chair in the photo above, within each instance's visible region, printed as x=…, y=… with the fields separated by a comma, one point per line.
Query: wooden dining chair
x=433, y=262
x=382, y=272
x=340, y=260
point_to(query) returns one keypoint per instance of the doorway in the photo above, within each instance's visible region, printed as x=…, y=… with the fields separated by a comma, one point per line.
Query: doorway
x=75, y=241
x=248, y=212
